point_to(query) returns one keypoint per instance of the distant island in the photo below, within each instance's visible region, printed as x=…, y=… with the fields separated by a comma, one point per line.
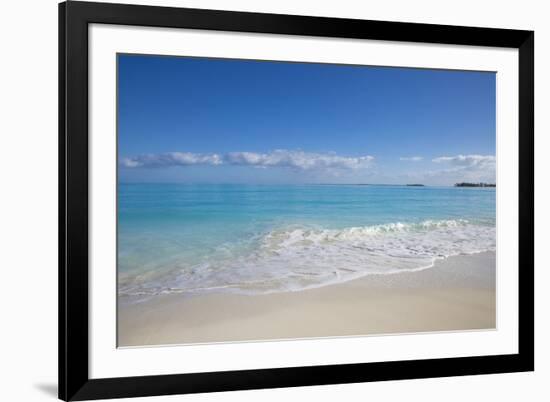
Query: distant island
x=416, y=185
x=475, y=185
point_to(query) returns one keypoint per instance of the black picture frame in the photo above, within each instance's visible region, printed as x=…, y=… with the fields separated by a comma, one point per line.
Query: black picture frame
x=74, y=381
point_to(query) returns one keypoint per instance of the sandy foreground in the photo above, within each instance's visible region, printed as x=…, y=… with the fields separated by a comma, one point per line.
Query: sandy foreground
x=458, y=293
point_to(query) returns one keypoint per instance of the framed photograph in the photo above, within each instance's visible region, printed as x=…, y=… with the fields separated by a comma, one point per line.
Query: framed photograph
x=257, y=201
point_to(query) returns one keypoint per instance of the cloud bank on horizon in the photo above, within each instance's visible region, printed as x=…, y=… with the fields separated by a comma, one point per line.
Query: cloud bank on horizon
x=438, y=170
x=468, y=161
x=295, y=160
x=469, y=168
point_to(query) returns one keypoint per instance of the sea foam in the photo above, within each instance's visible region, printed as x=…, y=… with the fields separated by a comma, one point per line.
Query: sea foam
x=291, y=258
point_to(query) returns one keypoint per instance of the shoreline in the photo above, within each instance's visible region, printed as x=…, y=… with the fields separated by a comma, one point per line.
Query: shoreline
x=457, y=293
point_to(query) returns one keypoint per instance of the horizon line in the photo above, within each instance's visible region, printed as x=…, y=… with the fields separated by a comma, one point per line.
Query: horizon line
x=297, y=184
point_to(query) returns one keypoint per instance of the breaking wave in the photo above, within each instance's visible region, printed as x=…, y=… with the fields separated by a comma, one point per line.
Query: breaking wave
x=293, y=258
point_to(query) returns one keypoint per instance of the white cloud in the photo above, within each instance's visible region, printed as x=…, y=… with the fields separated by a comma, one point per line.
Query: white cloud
x=468, y=161
x=172, y=159
x=472, y=168
x=411, y=158
x=296, y=160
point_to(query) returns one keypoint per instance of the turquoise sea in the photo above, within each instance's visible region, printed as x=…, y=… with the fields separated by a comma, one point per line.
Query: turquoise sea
x=182, y=238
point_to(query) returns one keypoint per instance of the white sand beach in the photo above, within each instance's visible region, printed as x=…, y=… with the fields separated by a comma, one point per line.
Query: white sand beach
x=458, y=293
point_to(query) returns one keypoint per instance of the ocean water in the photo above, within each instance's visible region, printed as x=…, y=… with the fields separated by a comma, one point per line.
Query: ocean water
x=188, y=239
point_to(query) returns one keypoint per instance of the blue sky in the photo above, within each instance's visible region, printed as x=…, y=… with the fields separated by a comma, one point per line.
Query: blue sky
x=242, y=121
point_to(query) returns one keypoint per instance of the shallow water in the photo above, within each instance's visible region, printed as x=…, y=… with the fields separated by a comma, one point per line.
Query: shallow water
x=180, y=238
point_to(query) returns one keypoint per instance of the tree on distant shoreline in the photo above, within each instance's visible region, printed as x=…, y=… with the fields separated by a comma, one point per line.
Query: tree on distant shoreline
x=475, y=185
